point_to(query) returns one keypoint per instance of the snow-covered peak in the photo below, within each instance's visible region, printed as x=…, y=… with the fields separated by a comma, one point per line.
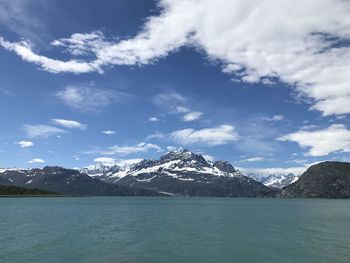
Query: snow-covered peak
x=278, y=180
x=100, y=169
x=186, y=157
x=224, y=166
x=183, y=165
x=3, y=170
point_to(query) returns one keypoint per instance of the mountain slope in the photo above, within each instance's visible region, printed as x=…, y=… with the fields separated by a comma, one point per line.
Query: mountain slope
x=323, y=180
x=67, y=181
x=20, y=191
x=188, y=174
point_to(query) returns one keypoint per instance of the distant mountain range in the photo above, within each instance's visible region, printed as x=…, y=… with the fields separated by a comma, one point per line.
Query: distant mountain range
x=183, y=173
x=277, y=180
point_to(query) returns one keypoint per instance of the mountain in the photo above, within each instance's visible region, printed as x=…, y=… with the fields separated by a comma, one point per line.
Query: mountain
x=100, y=171
x=187, y=174
x=277, y=180
x=323, y=180
x=66, y=181
x=20, y=191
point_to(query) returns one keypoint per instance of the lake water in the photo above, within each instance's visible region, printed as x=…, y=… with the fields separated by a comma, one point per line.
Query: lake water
x=135, y=229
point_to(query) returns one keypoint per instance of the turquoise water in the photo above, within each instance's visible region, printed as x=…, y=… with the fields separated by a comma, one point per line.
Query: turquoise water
x=130, y=229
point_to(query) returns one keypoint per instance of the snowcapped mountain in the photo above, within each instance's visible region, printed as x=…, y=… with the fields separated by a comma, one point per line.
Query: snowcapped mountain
x=183, y=173
x=101, y=171
x=177, y=164
x=277, y=180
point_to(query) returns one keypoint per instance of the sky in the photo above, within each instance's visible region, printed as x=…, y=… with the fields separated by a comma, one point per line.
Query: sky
x=262, y=84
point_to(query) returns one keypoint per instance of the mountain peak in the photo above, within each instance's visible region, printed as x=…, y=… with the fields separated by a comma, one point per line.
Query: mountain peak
x=224, y=166
x=185, y=156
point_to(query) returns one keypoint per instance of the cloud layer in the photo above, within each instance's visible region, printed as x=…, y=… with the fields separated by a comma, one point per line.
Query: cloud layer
x=219, y=135
x=335, y=138
x=298, y=42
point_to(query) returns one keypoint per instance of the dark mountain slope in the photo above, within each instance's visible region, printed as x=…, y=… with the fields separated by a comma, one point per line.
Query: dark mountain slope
x=323, y=180
x=67, y=181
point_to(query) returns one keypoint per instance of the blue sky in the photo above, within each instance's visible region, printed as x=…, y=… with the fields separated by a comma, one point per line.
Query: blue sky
x=116, y=81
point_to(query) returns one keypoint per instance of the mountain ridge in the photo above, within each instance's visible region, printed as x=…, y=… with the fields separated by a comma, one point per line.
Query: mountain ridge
x=323, y=180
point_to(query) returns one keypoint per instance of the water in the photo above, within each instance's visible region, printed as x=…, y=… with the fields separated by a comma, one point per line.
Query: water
x=130, y=229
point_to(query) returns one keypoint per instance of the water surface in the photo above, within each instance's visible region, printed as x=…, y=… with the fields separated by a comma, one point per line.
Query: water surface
x=139, y=229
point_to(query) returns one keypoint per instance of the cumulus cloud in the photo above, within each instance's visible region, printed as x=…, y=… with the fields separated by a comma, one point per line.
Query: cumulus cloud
x=36, y=160
x=109, y=132
x=299, y=42
x=41, y=130
x=219, y=135
x=130, y=149
x=84, y=98
x=70, y=124
x=25, y=144
x=321, y=142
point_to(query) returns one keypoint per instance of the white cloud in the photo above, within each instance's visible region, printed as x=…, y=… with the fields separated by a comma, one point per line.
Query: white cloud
x=192, y=116
x=70, y=124
x=108, y=161
x=253, y=159
x=25, y=144
x=36, y=160
x=130, y=149
x=335, y=138
x=41, y=130
x=88, y=98
x=153, y=119
x=219, y=135
x=109, y=132
x=299, y=42
x=335, y=105
x=189, y=115
x=25, y=51
x=128, y=162
x=171, y=148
